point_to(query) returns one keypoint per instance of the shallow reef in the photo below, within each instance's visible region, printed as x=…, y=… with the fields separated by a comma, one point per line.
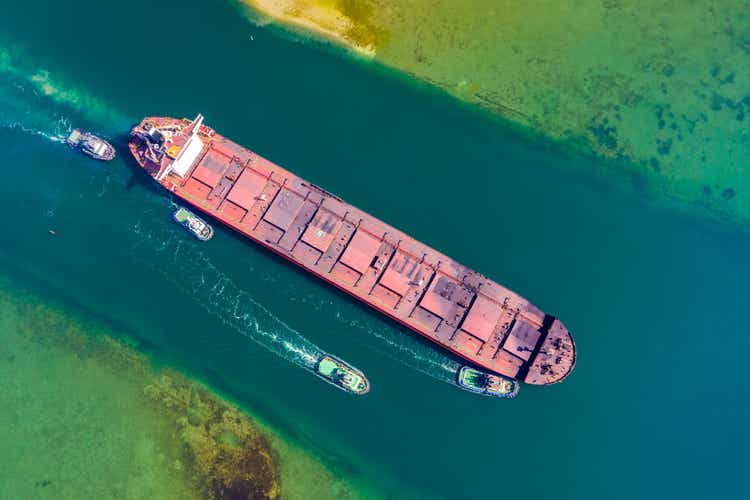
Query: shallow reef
x=75, y=423
x=88, y=416
x=660, y=89
x=229, y=456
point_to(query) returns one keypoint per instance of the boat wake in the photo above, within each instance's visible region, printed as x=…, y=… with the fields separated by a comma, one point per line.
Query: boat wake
x=402, y=347
x=193, y=272
x=34, y=101
x=20, y=111
x=389, y=340
x=55, y=134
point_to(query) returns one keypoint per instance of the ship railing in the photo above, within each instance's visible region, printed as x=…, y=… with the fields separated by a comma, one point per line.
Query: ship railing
x=321, y=190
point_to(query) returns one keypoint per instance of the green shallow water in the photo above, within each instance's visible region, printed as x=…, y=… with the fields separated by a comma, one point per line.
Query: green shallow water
x=662, y=87
x=71, y=426
x=87, y=416
x=656, y=300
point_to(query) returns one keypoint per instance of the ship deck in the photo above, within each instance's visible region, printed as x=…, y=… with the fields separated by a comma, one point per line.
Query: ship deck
x=421, y=288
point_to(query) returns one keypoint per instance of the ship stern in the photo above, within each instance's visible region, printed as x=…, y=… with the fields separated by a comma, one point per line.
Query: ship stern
x=151, y=140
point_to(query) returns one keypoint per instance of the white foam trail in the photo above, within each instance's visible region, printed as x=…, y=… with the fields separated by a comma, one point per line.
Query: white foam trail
x=192, y=271
x=21, y=110
x=27, y=89
x=54, y=136
x=408, y=351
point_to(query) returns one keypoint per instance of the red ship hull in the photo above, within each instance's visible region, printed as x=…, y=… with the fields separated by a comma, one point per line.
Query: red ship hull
x=426, y=291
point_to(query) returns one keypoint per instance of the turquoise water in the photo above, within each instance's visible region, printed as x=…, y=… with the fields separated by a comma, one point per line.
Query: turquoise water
x=657, y=300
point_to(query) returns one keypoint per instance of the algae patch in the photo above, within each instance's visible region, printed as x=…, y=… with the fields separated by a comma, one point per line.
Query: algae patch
x=75, y=425
x=87, y=416
x=229, y=455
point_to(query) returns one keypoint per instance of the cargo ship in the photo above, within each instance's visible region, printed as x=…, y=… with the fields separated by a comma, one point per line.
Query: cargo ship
x=455, y=307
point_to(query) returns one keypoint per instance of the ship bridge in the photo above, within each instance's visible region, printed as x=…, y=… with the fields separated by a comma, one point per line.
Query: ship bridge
x=188, y=153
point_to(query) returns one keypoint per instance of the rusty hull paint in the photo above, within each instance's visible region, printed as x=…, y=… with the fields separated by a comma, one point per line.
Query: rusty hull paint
x=428, y=292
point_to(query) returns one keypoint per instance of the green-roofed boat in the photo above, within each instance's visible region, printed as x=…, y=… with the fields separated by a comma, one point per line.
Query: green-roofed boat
x=487, y=384
x=194, y=224
x=341, y=374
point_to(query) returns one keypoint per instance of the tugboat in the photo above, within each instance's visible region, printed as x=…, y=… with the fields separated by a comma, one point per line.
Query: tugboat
x=341, y=374
x=91, y=145
x=194, y=224
x=487, y=384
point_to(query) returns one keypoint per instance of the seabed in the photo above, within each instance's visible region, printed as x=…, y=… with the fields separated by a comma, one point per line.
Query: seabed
x=660, y=88
x=87, y=416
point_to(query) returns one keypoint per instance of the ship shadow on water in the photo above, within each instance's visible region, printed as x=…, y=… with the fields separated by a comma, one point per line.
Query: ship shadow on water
x=424, y=344
x=418, y=356
x=138, y=178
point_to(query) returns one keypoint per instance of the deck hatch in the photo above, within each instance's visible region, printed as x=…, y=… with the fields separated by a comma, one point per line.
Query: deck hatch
x=425, y=319
x=306, y=254
x=482, y=318
x=322, y=230
x=234, y=212
x=400, y=273
x=506, y=363
x=466, y=343
x=284, y=209
x=360, y=251
x=197, y=189
x=211, y=168
x=246, y=189
x=385, y=296
x=225, y=148
x=522, y=340
x=439, y=298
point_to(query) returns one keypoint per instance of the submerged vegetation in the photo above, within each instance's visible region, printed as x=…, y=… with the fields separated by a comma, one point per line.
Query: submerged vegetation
x=229, y=456
x=88, y=416
x=217, y=450
x=659, y=88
